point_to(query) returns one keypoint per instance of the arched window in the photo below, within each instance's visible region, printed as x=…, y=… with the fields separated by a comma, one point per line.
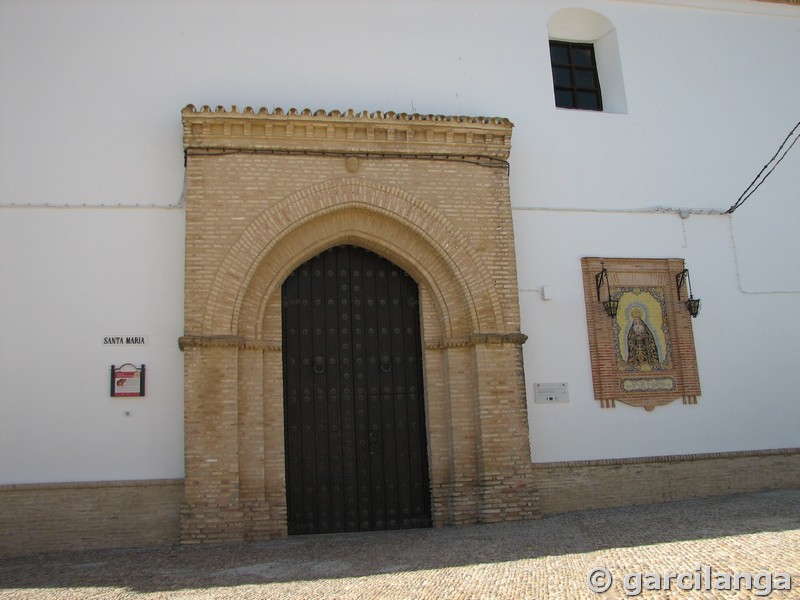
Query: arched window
x=584, y=53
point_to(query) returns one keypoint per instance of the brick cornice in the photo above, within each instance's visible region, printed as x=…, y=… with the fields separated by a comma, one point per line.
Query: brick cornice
x=236, y=341
x=476, y=339
x=224, y=341
x=207, y=131
x=515, y=338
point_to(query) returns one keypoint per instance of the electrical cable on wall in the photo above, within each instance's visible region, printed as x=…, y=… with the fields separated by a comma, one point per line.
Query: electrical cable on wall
x=753, y=185
x=173, y=205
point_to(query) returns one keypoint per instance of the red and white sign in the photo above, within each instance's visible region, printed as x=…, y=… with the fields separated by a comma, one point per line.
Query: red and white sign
x=127, y=380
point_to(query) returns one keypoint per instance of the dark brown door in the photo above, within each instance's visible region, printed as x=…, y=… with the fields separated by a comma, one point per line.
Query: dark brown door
x=356, y=450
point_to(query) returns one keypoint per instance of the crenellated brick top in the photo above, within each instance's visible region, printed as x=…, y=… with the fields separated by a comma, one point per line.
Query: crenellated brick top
x=348, y=132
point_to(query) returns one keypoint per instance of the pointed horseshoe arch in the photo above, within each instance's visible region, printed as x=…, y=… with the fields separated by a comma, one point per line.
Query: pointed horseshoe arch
x=385, y=220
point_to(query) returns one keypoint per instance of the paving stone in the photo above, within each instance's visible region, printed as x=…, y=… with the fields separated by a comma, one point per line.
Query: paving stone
x=546, y=558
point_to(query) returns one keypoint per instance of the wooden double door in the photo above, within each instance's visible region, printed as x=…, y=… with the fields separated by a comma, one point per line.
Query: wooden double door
x=356, y=449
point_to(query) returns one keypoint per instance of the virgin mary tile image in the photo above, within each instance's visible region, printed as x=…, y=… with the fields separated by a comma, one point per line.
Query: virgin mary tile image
x=642, y=348
x=642, y=336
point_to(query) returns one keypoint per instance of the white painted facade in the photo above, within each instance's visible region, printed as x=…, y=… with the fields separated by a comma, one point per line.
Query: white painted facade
x=91, y=223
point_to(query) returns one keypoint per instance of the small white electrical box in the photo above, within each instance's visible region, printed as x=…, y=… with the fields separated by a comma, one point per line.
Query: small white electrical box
x=551, y=393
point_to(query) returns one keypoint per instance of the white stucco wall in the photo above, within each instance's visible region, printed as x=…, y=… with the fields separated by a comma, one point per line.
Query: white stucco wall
x=91, y=93
x=69, y=278
x=744, y=350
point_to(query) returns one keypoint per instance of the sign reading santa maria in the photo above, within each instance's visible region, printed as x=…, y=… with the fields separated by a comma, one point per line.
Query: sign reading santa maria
x=124, y=340
x=127, y=380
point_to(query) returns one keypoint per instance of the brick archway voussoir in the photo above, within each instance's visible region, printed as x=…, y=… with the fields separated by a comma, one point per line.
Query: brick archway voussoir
x=385, y=220
x=354, y=225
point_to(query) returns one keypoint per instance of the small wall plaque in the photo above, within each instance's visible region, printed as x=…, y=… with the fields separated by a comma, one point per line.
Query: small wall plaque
x=550, y=393
x=127, y=380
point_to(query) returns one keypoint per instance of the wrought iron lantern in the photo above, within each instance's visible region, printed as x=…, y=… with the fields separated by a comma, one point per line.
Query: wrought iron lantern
x=692, y=304
x=611, y=305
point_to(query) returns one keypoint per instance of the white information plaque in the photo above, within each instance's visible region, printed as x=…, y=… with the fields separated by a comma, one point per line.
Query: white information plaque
x=551, y=393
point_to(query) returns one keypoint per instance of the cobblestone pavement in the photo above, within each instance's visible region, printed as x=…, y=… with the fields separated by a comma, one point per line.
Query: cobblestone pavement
x=702, y=541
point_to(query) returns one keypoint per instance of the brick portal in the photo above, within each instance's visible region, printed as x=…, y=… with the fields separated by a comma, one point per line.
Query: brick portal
x=267, y=191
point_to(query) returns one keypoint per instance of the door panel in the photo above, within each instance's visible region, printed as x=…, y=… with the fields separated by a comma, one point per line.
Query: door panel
x=356, y=450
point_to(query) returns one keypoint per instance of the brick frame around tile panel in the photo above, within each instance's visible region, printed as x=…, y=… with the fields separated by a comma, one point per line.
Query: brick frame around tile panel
x=609, y=376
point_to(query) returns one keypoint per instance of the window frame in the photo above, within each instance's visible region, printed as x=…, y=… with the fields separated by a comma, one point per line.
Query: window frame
x=577, y=90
